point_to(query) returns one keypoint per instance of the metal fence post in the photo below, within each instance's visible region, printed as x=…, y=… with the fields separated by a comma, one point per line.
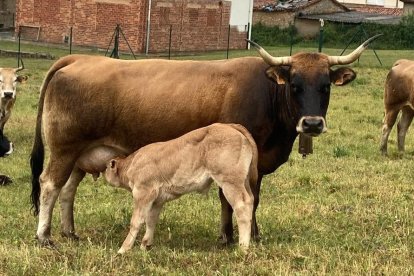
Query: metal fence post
x=228, y=42
x=70, y=41
x=169, y=44
x=320, y=35
x=18, y=48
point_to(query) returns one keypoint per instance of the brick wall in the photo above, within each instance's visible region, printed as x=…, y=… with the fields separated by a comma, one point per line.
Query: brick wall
x=196, y=24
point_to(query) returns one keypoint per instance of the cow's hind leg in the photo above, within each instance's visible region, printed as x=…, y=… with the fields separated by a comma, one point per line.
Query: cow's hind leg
x=52, y=180
x=389, y=121
x=66, y=200
x=403, y=125
x=241, y=200
x=226, y=230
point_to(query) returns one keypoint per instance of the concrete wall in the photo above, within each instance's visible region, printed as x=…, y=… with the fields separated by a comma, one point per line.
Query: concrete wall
x=383, y=3
x=7, y=11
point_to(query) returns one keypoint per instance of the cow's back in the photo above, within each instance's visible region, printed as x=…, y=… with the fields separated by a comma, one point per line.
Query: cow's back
x=134, y=103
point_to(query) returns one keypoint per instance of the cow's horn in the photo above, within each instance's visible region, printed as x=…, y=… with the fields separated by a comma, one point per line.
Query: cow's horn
x=268, y=58
x=334, y=60
x=19, y=69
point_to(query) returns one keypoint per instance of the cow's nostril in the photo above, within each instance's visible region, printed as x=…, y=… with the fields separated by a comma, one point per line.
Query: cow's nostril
x=8, y=94
x=313, y=125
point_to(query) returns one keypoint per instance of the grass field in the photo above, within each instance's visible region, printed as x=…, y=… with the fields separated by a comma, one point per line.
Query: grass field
x=345, y=210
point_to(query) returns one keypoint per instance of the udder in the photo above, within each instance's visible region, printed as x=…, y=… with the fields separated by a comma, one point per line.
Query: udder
x=94, y=160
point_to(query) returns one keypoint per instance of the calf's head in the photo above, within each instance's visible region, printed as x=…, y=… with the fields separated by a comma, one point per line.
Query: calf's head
x=112, y=173
x=307, y=78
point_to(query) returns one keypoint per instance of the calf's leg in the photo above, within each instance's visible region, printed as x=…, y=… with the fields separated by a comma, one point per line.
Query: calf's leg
x=66, y=199
x=403, y=125
x=389, y=121
x=150, y=223
x=143, y=199
x=241, y=201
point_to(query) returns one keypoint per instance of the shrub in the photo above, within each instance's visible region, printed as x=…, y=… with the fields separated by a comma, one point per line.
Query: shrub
x=398, y=36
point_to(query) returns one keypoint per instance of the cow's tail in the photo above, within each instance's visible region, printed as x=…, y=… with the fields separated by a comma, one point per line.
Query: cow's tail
x=38, y=151
x=253, y=173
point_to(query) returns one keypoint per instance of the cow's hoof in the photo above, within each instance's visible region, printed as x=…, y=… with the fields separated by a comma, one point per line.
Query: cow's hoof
x=5, y=180
x=46, y=242
x=70, y=235
x=225, y=241
x=256, y=238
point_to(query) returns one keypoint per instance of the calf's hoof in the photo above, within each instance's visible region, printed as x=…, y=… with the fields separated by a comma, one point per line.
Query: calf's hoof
x=5, y=180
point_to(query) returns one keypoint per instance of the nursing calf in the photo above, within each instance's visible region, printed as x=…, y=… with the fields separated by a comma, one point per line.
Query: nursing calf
x=164, y=171
x=398, y=96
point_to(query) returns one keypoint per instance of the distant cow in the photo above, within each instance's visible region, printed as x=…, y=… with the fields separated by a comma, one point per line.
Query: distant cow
x=398, y=96
x=164, y=171
x=6, y=148
x=8, y=84
x=92, y=104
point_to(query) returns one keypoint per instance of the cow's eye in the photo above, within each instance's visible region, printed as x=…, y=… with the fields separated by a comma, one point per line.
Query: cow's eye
x=326, y=89
x=296, y=88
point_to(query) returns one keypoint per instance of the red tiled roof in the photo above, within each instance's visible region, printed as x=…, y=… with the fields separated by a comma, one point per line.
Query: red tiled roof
x=375, y=9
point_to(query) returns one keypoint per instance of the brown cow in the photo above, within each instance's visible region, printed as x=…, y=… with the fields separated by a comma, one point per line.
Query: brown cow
x=8, y=84
x=163, y=171
x=398, y=96
x=119, y=106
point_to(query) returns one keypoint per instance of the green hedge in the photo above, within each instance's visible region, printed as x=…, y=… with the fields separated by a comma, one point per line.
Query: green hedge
x=399, y=36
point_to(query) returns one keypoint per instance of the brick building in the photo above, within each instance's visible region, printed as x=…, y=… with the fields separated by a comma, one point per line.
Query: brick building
x=197, y=25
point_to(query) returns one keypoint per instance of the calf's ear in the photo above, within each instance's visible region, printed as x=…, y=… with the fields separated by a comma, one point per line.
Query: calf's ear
x=342, y=76
x=279, y=74
x=113, y=165
x=22, y=79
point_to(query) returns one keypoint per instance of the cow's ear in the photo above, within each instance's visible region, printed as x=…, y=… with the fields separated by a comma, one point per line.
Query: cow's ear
x=22, y=79
x=279, y=74
x=342, y=76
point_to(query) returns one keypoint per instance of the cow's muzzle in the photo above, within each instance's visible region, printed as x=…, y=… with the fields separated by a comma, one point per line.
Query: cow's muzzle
x=311, y=125
x=8, y=95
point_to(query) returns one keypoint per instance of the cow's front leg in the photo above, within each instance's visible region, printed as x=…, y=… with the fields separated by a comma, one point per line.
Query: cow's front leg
x=256, y=195
x=66, y=199
x=226, y=230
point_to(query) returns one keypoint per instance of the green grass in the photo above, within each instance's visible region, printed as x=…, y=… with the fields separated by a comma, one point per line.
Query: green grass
x=343, y=210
